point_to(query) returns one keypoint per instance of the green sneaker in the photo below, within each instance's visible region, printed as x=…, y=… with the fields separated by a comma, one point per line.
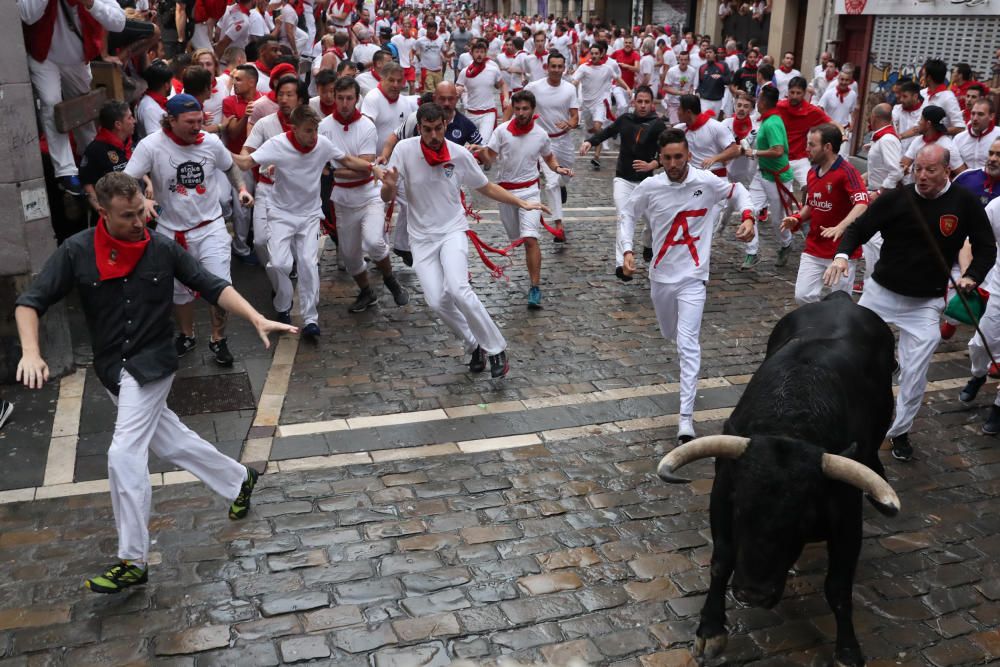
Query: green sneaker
x=241, y=505
x=783, y=254
x=749, y=262
x=118, y=577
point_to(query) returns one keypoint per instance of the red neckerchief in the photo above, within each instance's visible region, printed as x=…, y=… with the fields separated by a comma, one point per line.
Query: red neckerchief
x=841, y=96
x=159, y=99
x=295, y=143
x=786, y=70
x=387, y=98
x=106, y=136
x=940, y=88
x=541, y=55
x=732, y=53
x=376, y=75
x=181, y=142
x=286, y=125
x=882, y=131
x=346, y=122
x=984, y=132
x=741, y=128
x=830, y=77
x=598, y=63
x=116, y=258
x=246, y=12
x=700, y=120
x=264, y=69
x=913, y=108
x=474, y=69
x=435, y=157
x=767, y=114
x=521, y=130
x=509, y=52
x=935, y=136
x=326, y=110
x=273, y=96
x=339, y=52
x=178, y=85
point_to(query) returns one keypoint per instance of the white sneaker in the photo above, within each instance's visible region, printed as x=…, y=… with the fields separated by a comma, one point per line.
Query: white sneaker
x=685, y=430
x=6, y=407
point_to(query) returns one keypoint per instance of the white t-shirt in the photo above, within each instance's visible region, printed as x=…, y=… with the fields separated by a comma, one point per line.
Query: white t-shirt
x=148, y=113
x=553, y=103
x=434, y=205
x=363, y=53
x=480, y=90
x=838, y=110
x=404, y=45
x=260, y=24
x=519, y=156
x=184, y=178
x=903, y=120
x=595, y=82
x=955, y=158
x=536, y=68
x=884, y=171
x=430, y=52
x=265, y=128
x=685, y=81
x=515, y=80
x=975, y=150
x=992, y=282
x=781, y=80
x=235, y=25
x=710, y=139
x=682, y=213
x=465, y=60
x=495, y=47
x=360, y=138
x=647, y=65
x=947, y=101
x=287, y=15
x=386, y=115
x=367, y=82
x=296, y=192
x=563, y=44
x=263, y=80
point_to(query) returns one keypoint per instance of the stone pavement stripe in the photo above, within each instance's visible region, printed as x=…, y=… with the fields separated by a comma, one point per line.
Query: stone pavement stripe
x=395, y=419
x=61, y=461
x=272, y=398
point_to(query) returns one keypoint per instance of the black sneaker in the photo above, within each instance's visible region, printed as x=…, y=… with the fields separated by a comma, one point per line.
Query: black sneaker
x=901, y=448
x=406, y=255
x=366, y=299
x=647, y=255
x=183, y=344
x=399, y=293
x=119, y=576
x=294, y=273
x=992, y=424
x=563, y=194
x=285, y=317
x=221, y=351
x=477, y=364
x=972, y=388
x=595, y=164
x=241, y=506
x=499, y=365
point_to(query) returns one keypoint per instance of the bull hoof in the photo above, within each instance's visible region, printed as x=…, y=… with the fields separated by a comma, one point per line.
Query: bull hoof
x=710, y=648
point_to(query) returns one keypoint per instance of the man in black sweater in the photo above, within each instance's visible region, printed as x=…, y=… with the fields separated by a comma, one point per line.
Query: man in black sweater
x=637, y=156
x=910, y=279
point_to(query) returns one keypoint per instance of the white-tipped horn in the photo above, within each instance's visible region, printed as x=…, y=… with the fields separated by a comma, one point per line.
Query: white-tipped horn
x=862, y=477
x=724, y=446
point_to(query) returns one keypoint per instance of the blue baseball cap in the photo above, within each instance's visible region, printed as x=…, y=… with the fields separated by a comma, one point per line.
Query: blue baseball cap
x=182, y=103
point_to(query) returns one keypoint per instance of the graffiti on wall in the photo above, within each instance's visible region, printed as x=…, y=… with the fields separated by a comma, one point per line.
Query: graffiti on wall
x=882, y=76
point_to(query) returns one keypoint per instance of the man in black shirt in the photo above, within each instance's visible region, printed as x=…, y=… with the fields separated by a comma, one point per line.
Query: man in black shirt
x=910, y=279
x=638, y=132
x=124, y=276
x=110, y=149
x=713, y=77
x=745, y=78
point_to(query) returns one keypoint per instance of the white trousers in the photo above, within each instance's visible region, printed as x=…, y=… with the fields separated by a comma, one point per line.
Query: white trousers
x=562, y=148
x=210, y=246
x=517, y=222
x=442, y=266
x=262, y=230
x=809, y=286
x=742, y=170
x=989, y=324
x=242, y=217
x=52, y=82
x=295, y=240
x=361, y=232
x=201, y=39
x=764, y=193
x=871, y=251
x=622, y=190
x=486, y=122
x=714, y=105
x=144, y=423
x=919, y=334
x=678, y=309
x=800, y=172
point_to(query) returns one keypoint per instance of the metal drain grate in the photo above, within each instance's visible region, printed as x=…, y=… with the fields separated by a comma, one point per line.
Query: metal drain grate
x=211, y=393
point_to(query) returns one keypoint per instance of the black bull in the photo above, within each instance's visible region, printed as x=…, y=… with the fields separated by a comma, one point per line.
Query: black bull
x=797, y=452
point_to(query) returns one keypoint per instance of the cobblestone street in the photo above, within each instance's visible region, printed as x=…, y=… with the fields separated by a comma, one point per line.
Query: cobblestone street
x=413, y=514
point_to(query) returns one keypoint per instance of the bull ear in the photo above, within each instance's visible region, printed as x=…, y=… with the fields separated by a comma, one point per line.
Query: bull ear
x=862, y=477
x=851, y=452
x=722, y=446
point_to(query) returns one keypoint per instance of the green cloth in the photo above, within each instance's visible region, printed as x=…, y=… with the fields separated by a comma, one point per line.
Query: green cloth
x=772, y=133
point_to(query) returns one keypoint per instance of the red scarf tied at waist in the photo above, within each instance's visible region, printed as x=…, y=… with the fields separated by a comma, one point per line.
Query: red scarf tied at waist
x=700, y=120
x=519, y=130
x=106, y=136
x=38, y=35
x=435, y=157
x=346, y=122
x=116, y=258
x=742, y=127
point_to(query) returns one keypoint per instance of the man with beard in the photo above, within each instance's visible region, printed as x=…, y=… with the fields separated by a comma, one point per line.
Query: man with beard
x=236, y=112
x=480, y=81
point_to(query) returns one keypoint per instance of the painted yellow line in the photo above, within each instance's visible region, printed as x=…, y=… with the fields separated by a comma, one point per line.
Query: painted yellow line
x=60, y=463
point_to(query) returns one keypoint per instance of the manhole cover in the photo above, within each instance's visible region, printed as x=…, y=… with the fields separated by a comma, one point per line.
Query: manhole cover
x=211, y=393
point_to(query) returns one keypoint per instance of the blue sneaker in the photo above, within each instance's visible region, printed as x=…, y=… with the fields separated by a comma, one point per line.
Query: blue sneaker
x=71, y=185
x=535, y=298
x=311, y=330
x=250, y=259
x=284, y=317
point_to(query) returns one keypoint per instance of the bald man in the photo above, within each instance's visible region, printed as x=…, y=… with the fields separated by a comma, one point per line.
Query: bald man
x=910, y=280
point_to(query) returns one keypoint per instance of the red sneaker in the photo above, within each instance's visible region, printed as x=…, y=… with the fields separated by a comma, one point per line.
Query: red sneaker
x=859, y=287
x=948, y=330
x=994, y=371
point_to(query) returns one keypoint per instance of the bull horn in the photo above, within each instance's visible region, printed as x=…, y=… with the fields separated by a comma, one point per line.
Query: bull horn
x=724, y=446
x=862, y=477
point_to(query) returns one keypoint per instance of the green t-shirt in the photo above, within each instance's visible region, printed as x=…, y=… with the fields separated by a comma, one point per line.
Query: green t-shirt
x=772, y=133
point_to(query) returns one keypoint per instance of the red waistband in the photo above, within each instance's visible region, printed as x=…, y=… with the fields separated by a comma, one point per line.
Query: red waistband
x=517, y=186
x=353, y=184
x=261, y=178
x=558, y=134
x=480, y=112
x=181, y=237
x=720, y=171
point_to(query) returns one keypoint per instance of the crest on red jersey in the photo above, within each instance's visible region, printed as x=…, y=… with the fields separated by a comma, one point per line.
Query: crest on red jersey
x=948, y=224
